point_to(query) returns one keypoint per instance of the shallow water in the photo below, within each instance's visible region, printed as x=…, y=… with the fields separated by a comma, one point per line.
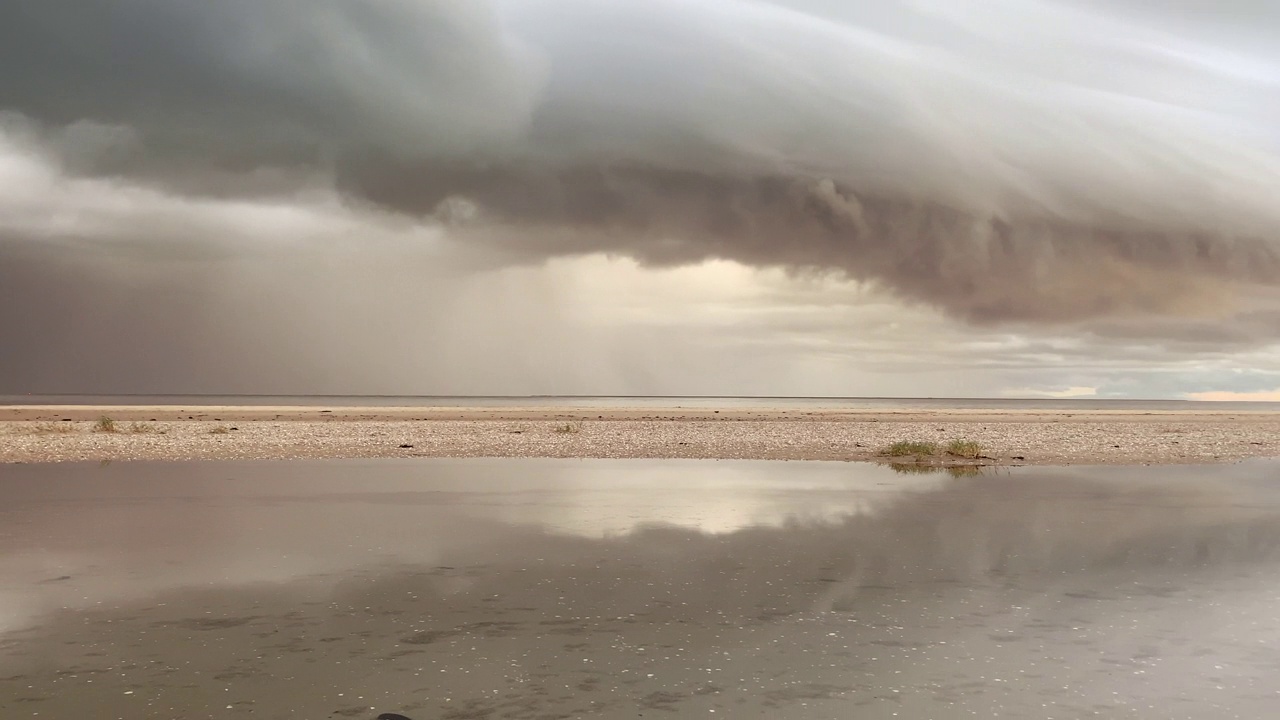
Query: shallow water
x=621, y=589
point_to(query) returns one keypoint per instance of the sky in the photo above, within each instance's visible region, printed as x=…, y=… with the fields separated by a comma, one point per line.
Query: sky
x=1035, y=198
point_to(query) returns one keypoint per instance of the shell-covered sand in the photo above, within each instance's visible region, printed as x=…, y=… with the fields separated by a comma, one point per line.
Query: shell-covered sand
x=70, y=433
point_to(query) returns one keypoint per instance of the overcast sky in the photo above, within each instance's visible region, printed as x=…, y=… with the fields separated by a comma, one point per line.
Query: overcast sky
x=721, y=197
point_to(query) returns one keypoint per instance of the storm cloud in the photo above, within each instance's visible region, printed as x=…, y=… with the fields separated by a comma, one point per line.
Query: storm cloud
x=1108, y=169
x=1016, y=159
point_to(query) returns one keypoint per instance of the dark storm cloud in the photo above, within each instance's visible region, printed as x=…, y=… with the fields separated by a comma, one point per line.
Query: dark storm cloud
x=1024, y=160
x=261, y=80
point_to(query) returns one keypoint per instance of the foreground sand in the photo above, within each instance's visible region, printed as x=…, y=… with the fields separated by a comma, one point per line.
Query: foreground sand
x=67, y=433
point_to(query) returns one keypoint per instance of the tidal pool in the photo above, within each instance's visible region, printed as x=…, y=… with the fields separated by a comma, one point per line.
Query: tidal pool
x=620, y=589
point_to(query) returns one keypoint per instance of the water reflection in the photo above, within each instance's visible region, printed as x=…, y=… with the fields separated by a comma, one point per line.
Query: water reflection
x=130, y=530
x=954, y=471
x=606, y=589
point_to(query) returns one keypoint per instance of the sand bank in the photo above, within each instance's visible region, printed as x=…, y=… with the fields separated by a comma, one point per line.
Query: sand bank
x=67, y=433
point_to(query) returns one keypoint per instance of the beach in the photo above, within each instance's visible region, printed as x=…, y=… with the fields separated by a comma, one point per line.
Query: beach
x=67, y=433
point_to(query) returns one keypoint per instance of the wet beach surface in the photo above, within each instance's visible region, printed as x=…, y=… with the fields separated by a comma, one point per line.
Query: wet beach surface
x=623, y=589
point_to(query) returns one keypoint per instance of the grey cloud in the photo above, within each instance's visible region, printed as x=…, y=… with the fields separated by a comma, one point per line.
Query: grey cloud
x=257, y=81
x=1050, y=161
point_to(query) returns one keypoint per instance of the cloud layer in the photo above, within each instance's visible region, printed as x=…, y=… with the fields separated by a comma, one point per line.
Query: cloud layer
x=1016, y=159
x=1063, y=167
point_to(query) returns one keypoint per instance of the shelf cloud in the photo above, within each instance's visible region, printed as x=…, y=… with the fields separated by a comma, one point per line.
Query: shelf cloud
x=1037, y=162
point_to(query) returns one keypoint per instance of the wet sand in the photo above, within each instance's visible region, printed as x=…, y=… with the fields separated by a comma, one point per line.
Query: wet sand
x=1012, y=437
x=555, y=589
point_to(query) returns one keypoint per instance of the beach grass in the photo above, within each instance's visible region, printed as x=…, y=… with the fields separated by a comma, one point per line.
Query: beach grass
x=967, y=449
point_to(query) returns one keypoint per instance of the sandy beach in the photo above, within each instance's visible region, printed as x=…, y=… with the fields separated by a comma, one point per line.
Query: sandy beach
x=70, y=433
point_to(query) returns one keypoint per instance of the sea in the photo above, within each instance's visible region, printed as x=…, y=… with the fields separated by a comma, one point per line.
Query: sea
x=645, y=401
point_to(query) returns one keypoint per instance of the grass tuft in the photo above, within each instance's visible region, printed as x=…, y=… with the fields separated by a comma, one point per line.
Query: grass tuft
x=141, y=428
x=911, y=448
x=569, y=428
x=967, y=449
x=219, y=430
x=105, y=425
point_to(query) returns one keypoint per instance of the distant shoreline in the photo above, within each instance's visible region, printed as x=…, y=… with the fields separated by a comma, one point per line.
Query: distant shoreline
x=639, y=401
x=52, y=433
